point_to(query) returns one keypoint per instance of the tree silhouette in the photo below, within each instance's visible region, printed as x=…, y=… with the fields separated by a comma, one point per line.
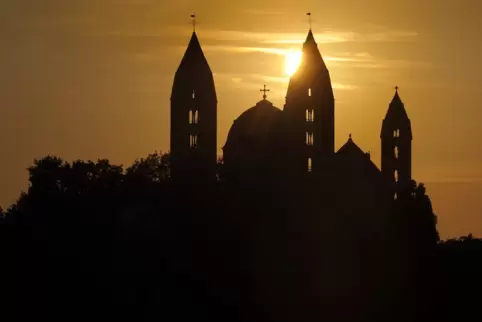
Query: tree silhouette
x=122, y=244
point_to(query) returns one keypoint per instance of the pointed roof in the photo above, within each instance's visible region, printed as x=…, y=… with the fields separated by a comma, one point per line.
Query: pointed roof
x=194, y=73
x=352, y=156
x=310, y=38
x=396, y=116
x=311, y=53
x=351, y=148
x=396, y=107
x=194, y=55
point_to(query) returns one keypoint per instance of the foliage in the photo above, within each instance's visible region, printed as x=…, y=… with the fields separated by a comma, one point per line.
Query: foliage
x=118, y=242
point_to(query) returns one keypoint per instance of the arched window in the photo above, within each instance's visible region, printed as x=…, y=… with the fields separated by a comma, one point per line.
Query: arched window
x=309, y=92
x=395, y=196
x=396, y=133
x=196, y=117
x=190, y=117
x=310, y=115
x=309, y=138
x=193, y=140
x=396, y=176
x=310, y=165
x=395, y=151
x=193, y=94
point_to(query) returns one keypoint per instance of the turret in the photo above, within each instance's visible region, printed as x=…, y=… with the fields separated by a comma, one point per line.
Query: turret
x=396, y=137
x=193, y=118
x=309, y=110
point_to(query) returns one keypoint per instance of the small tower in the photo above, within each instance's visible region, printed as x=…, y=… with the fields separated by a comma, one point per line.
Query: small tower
x=310, y=110
x=396, y=140
x=193, y=118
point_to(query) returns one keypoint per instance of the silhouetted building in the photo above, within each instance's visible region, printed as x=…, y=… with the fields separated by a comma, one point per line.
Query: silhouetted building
x=396, y=139
x=310, y=111
x=245, y=150
x=296, y=143
x=193, y=118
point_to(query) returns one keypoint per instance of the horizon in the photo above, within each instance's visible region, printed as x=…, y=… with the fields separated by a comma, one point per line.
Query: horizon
x=120, y=70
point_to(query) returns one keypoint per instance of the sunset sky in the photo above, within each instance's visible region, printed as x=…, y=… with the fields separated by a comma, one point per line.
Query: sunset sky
x=91, y=79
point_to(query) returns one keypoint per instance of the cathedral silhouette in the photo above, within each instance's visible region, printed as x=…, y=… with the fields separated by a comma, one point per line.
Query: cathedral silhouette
x=296, y=143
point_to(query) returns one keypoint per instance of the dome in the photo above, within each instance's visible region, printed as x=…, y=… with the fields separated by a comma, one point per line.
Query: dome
x=254, y=126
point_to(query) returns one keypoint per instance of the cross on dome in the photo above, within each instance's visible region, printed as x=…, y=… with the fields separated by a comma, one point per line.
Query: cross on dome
x=264, y=90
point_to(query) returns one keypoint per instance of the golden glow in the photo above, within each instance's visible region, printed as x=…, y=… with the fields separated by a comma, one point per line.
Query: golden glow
x=292, y=61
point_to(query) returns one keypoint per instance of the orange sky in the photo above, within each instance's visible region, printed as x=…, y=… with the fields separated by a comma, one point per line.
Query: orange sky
x=92, y=78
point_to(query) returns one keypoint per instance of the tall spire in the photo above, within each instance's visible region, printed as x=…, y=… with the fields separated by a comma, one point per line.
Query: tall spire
x=193, y=117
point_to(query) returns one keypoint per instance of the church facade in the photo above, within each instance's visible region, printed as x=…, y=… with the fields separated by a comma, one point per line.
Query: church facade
x=297, y=142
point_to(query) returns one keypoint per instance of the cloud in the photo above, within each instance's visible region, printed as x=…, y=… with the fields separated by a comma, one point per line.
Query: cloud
x=325, y=37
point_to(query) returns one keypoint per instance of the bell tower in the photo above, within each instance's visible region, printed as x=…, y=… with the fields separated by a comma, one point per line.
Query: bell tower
x=396, y=140
x=193, y=118
x=310, y=110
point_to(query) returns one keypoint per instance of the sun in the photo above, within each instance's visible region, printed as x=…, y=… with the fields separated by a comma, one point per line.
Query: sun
x=292, y=61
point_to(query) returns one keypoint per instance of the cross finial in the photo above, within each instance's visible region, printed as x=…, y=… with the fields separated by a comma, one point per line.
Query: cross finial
x=396, y=88
x=193, y=18
x=264, y=90
x=309, y=17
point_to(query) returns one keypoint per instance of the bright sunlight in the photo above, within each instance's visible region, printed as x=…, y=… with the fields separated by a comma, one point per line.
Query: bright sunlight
x=292, y=61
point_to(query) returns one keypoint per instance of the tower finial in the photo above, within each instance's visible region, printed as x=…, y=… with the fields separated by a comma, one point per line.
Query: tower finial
x=193, y=18
x=396, y=88
x=349, y=136
x=264, y=90
x=309, y=18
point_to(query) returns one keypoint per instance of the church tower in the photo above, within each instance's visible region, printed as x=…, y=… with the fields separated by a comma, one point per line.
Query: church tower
x=310, y=111
x=396, y=139
x=193, y=118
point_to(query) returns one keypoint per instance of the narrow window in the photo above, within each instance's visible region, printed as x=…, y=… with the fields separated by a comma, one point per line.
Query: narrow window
x=190, y=117
x=395, y=151
x=309, y=92
x=395, y=196
x=310, y=115
x=193, y=140
x=310, y=165
x=396, y=133
x=193, y=94
x=196, y=117
x=396, y=176
x=309, y=138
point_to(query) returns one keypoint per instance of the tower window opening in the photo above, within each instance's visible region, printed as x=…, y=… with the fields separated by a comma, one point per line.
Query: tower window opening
x=309, y=92
x=309, y=138
x=310, y=164
x=193, y=94
x=310, y=115
x=396, y=176
x=396, y=133
x=395, y=196
x=193, y=140
x=193, y=117
x=395, y=151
